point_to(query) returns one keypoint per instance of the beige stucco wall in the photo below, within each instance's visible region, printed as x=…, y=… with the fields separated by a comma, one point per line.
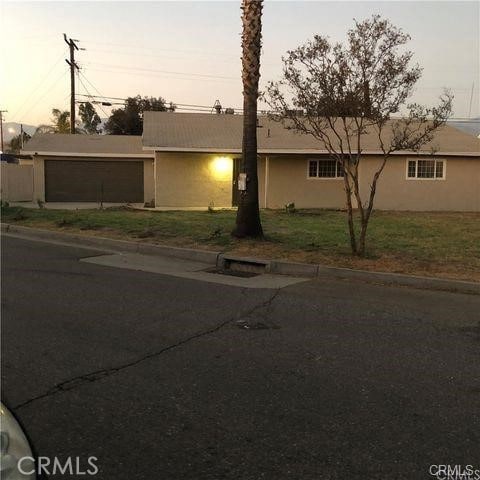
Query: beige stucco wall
x=191, y=180
x=288, y=182
x=38, y=179
x=198, y=180
x=148, y=181
x=25, y=161
x=16, y=182
x=459, y=191
x=39, y=174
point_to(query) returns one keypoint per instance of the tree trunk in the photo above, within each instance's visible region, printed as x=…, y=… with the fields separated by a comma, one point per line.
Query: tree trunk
x=362, y=237
x=348, y=193
x=351, y=226
x=248, y=214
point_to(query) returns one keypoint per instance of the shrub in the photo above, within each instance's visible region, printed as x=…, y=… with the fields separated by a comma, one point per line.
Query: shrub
x=146, y=233
x=19, y=215
x=63, y=222
x=290, y=207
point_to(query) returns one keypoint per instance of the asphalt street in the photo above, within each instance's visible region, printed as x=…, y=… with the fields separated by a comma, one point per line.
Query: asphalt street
x=162, y=377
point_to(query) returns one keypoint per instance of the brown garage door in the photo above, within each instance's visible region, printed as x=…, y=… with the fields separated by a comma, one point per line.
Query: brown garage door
x=93, y=181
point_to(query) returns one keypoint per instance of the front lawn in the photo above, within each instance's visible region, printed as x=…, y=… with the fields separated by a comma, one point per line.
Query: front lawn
x=438, y=244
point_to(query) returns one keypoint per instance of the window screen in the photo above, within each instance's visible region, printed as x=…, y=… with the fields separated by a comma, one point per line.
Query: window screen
x=327, y=168
x=412, y=167
x=439, y=169
x=426, y=169
x=312, y=168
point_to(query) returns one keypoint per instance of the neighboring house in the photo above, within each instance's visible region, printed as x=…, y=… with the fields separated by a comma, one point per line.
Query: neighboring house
x=191, y=160
x=196, y=156
x=8, y=158
x=90, y=168
x=471, y=126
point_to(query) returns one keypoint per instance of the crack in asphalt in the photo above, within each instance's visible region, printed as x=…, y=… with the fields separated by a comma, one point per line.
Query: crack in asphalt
x=96, y=375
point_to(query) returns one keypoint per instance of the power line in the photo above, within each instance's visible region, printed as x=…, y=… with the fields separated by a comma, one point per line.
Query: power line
x=174, y=56
x=95, y=88
x=89, y=95
x=178, y=106
x=149, y=75
x=138, y=47
x=196, y=107
x=101, y=96
x=28, y=98
x=192, y=74
x=63, y=75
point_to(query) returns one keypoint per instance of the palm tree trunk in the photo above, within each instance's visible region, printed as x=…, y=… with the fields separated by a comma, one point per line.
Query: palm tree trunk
x=248, y=214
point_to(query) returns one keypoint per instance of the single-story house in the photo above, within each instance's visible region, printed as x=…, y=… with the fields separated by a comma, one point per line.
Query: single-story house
x=197, y=154
x=191, y=160
x=91, y=168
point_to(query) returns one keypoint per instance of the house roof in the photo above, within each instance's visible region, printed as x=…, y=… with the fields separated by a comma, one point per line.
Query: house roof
x=200, y=132
x=64, y=144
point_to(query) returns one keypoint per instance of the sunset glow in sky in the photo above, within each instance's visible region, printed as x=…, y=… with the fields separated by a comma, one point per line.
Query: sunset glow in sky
x=189, y=52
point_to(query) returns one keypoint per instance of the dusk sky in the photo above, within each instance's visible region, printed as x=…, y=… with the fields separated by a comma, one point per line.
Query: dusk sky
x=189, y=52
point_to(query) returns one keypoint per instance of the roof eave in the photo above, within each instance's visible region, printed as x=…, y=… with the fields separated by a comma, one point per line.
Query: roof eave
x=91, y=155
x=292, y=151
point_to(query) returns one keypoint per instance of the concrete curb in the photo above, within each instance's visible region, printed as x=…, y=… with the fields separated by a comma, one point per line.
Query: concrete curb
x=400, y=279
x=114, y=245
x=221, y=260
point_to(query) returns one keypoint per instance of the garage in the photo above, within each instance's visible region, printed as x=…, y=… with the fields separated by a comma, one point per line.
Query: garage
x=112, y=181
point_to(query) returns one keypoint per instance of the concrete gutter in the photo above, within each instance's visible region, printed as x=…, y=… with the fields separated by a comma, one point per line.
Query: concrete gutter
x=222, y=260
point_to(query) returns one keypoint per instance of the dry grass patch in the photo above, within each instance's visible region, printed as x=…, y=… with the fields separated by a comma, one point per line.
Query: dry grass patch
x=431, y=244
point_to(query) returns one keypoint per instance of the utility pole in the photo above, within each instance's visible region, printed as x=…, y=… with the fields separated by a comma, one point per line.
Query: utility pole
x=1, y=126
x=72, y=46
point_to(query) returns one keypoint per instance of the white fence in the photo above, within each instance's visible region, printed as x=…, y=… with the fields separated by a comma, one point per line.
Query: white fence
x=17, y=182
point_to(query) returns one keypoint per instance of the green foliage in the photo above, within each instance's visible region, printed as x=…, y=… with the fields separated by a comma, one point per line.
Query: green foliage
x=409, y=242
x=16, y=142
x=89, y=117
x=60, y=123
x=290, y=207
x=339, y=93
x=129, y=119
x=64, y=222
x=19, y=214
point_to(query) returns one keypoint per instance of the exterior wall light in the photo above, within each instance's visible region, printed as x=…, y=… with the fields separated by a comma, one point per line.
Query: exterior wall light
x=221, y=168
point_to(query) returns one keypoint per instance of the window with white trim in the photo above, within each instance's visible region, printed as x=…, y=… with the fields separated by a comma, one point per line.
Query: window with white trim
x=430, y=169
x=325, y=168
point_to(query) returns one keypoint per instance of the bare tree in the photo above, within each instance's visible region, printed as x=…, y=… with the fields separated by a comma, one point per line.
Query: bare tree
x=248, y=215
x=340, y=94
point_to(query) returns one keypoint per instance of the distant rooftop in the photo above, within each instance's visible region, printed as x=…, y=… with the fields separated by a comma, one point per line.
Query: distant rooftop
x=58, y=143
